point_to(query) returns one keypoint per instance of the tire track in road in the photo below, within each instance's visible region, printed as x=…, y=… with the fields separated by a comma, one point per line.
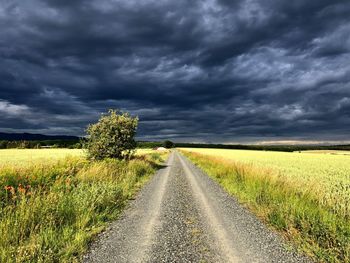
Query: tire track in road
x=217, y=230
x=180, y=237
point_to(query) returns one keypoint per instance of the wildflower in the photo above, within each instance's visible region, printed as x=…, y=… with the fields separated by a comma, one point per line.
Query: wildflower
x=68, y=182
x=10, y=188
x=21, y=189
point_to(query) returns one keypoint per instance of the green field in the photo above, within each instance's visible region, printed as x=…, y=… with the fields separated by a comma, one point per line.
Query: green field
x=304, y=195
x=54, y=201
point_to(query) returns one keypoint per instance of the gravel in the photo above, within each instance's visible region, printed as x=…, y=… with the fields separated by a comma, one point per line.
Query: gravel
x=182, y=215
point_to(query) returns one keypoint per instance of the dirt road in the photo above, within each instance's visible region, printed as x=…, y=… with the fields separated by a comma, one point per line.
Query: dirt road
x=181, y=215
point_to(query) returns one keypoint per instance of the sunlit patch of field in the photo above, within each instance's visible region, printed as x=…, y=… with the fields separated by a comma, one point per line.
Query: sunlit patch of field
x=151, y=151
x=305, y=196
x=21, y=157
x=27, y=156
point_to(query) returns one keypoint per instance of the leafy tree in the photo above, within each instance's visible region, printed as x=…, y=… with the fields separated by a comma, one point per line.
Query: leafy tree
x=112, y=136
x=168, y=144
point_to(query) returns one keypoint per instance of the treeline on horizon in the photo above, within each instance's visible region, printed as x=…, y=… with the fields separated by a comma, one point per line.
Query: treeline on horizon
x=78, y=144
x=36, y=144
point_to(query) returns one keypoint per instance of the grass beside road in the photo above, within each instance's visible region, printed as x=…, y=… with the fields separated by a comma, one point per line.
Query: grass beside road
x=297, y=210
x=50, y=210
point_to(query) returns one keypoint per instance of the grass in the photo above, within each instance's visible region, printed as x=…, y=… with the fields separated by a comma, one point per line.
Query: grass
x=304, y=196
x=51, y=208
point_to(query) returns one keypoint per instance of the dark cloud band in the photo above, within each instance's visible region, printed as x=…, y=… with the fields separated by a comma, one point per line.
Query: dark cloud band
x=212, y=70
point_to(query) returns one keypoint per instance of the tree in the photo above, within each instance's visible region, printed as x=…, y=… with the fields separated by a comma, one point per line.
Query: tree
x=112, y=136
x=168, y=144
x=3, y=144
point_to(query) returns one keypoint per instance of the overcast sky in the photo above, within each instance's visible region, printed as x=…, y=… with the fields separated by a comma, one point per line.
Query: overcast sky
x=203, y=71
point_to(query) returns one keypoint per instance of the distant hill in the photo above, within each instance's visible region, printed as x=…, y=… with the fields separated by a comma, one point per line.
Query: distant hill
x=33, y=137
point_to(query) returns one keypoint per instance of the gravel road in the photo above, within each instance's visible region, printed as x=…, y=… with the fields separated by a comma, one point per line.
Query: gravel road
x=181, y=215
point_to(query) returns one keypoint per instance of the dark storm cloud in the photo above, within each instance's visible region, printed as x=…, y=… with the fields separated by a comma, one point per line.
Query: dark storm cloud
x=192, y=70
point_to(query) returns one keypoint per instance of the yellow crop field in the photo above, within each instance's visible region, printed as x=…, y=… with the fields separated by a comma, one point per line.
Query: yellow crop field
x=26, y=156
x=22, y=157
x=328, y=152
x=328, y=175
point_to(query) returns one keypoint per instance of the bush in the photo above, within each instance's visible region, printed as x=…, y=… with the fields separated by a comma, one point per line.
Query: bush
x=168, y=144
x=112, y=136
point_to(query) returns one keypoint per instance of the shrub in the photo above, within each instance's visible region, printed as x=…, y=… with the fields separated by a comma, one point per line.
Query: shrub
x=112, y=136
x=168, y=144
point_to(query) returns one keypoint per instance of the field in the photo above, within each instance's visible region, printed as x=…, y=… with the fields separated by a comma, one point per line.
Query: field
x=54, y=201
x=304, y=195
x=328, y=152
x=20, y=157
x=324, y=173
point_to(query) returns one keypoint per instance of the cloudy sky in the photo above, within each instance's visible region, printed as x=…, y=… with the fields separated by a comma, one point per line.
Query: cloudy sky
x=203, y=71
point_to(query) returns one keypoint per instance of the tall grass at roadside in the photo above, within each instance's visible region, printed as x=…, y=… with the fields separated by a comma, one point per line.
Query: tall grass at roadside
x=296, y=211
x=49, y=212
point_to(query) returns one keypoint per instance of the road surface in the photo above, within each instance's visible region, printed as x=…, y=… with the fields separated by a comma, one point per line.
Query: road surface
x=181, y=215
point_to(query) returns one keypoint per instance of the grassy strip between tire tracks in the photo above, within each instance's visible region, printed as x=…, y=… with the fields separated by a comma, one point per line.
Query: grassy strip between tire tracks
x=295, y=213
x=50, y=212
